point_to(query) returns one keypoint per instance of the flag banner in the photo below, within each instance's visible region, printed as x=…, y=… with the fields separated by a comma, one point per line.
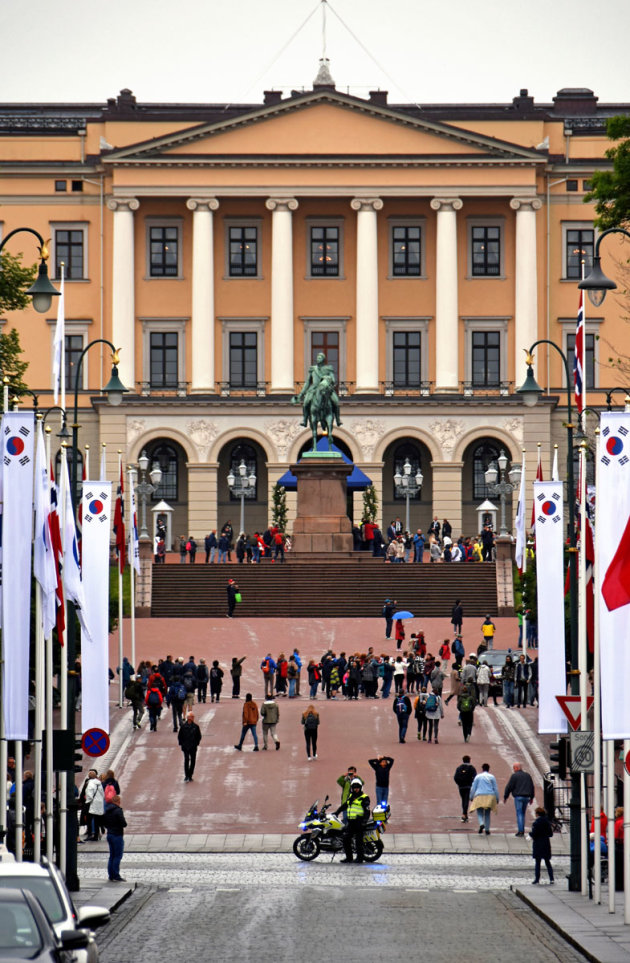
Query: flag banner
x=134, y=542
x=72, y=582
x=119, y=521
x=539, y=477
x=18, y=453
x=520, y=521
x=57, y=545
x=97, y=514
x=555, y=473
x=612, y=545
x=59, y=344
x=43, y=555
x=548, y=500
x=578, y=357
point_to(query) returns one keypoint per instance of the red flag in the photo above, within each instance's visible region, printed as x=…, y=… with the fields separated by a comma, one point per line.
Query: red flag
x=616, y=584
x=590, y=584
x=57, y=547
x=578, y=357
x=119, y=523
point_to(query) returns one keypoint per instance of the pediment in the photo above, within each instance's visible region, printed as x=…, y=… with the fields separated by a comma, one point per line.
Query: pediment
x=325, y=125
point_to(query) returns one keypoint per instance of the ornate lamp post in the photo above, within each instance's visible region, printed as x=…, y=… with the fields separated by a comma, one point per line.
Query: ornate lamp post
x=243, y=486
x=408, y=486
x=502, y=488
x=597, y=284
x=41, y=291
x=145, y=489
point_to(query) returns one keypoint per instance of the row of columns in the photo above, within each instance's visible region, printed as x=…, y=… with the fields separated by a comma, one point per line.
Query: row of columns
x=367, y=305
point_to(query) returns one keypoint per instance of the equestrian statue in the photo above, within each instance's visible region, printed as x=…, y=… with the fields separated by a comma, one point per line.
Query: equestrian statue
x=320, y=402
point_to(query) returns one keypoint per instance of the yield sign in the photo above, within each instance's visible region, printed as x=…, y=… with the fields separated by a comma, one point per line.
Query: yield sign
x=571, y=706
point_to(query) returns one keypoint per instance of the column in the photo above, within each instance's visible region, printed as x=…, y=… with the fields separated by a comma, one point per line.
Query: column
x=123, y=295
x=446, y=290
x=367, y=294
x=202, y=293
x=282, y=362
x=526, y=282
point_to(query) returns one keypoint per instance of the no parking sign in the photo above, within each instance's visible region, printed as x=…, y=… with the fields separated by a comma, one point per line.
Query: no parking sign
x=95, y=742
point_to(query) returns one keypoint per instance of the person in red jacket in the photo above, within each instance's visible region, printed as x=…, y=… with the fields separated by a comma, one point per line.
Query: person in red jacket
x=153, y=702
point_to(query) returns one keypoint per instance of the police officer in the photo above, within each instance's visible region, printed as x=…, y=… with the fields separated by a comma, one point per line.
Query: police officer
x=357, y=809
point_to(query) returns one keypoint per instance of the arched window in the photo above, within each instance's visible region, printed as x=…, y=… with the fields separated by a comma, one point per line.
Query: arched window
x=166, y=457
x=246, y=453
x=410, y=451
x=483, y=455
x=77, y=500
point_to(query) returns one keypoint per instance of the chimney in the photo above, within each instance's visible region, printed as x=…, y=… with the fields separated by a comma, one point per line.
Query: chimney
x=378, y=97
x=271, y=97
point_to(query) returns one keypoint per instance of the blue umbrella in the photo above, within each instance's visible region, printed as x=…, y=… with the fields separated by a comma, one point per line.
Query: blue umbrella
x=403, y=615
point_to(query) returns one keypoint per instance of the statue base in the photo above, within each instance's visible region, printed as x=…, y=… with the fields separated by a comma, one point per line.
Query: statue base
x=322, y=527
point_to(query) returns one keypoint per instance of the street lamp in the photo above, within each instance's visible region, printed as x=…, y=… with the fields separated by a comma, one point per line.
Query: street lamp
x=408, y=486
x=597, y=284
x=145, y=489
x=502, y=488
x=242, y=486
x=41, y=291
x=626, y=400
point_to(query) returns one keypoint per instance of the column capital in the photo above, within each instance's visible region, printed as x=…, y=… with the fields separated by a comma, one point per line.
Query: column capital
x=281, y=204
x=202, y=204
x=366, y=204
x=525, y=203
x=446, y=204
x=123, y=204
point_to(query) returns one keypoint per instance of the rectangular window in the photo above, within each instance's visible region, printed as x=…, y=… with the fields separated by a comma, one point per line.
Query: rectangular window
x=164, y=252
x=486, y=251
x=328, y=343
x=243, y=243
x=163, y=347
x=589, y=358
x=243, y=359
x=579, y=248
x=70, y=248
x=73, y=349
x=61, y=185
x=406, y=359
x=324, y=251
x=486, y=359
x=406, y=251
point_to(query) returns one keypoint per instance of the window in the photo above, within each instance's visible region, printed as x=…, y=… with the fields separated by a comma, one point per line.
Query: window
x=485, y=250
x=163, y=364
x=73, y=349
x=243, y=251
x=328, y=343
x=406, y=359
x=247, y=454
x=324, y=257
x=406, y=250
x=77, y=186
x=486, y=358
x=166, y=457
x=410, y=451
x=243, y=359
x=483, y=455
x=572, y=185
x=70, y=249
x=578, y=248
x=589, y=358
x=163, y=251
x=61, y=186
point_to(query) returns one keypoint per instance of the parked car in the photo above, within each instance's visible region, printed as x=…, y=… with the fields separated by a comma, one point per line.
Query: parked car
x=46, y=883
x=26, y=933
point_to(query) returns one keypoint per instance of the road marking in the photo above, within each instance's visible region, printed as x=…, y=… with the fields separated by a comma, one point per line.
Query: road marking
x=417, y=891
x=224, y=889
x=465, y=891
x=180, y=889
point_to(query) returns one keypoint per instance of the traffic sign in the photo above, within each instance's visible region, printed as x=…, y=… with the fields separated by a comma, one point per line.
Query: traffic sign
x=582, y=751
x=571, y=706
x=95, y=742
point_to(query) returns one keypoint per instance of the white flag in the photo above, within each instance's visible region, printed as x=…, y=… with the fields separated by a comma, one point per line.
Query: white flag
x=97, y=514
x=43, y=557
x=103, y=470
x=548, y=502
x=72, y=582
x=18, y=444
x=555, y=474
x=134, y=543
x=520, y=520
x=59, y=346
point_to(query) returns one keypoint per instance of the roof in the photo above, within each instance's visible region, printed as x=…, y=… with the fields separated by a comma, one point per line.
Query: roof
x=356, y=481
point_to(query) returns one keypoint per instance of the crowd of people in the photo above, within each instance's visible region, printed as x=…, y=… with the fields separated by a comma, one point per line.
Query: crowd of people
x=221, y=547
x=400, y=545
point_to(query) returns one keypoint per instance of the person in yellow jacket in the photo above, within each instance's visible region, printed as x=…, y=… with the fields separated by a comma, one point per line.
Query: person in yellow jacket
x=357, y=809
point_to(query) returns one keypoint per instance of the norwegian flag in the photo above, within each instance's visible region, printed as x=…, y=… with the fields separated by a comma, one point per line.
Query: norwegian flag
x=539, y=477
x=578, y=357
x=119, y=523
x=55, y=537
x=80, y=519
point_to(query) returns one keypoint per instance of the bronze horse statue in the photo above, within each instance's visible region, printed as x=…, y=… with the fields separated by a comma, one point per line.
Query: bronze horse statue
x=322, y=410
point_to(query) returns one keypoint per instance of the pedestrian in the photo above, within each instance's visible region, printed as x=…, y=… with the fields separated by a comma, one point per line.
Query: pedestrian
x=298, y=662
x=388, y=612
x=399, y=674
x=211, y=546
x=292, y=674
x=345, y=780
x=202, y=681
x=183, y=551
x=399, y=633
x=270, y=714
x=153, y=701
x=236, y=672
x=233, y=596
x=522, y=675
x=268, y=669
x=466, y=702
x=381, y=766
x=216, y=681
x=541, y=833
x=455, y=682
x=357, y=810
x=310, y=721
x=388, y=676
x=434, y=711
x=457, y=615
x=282, y=668
x=191, y=547
x=419, y=711
x=488, y=628
x=135, y=693
x=175, y=698
x=437, y=678
x=464, y=777
x=115, y=823
x=250, y=720
x=314, y=677
x=483, y=682
x=418, y=546
x=95, y=805
x=520, y=785
x=484, y=794
x=458, y=649
x=189, y=738
x=445, y=655
x=402, y=711
x=508, y=682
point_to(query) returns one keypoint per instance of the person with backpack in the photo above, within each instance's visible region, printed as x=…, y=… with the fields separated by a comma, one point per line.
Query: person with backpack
x=135, y=693
x=464, y=778
x=175, y=698
x=458, y=650
x=202, y=680
x=466, y=705
x=419, y=711
x=153, y=701
x=402, y=711
x=250, y=721
x=216, y=681
x=236, y=671
x=268, y=669
x=434, y=711
x=282, y=668
x=189, y=679
x=191, y=548
x=314, y=677
x=445, y=654
x=292, y=675
x=310, y=722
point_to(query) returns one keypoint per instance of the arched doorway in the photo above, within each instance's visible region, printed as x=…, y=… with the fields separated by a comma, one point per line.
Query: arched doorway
x=394, y=504
x=256, y=504
x=477, y=458
x=173, y=487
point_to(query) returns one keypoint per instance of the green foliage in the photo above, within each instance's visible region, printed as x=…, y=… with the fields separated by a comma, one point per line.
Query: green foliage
x=525, y=590
x=10, y=364
x=611, y=188
x=14, y=281
x=370, y=504
x=113, y=594
x=279, y=511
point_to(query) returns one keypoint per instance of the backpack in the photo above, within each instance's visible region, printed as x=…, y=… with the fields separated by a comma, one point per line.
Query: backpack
x=311, y=721
x=421, y=707
x=154, y=698
x=284, y=668
x=401, y=706
x=110, y=792
x=188, y=546
x=130, y=691
x=189, y=683
x=180, y=691
x=466, y=703
x=384, y=612
x=431, y=703
x=266, y=666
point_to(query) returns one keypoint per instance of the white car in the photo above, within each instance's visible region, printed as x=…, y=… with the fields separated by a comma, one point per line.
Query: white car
x=46, y=883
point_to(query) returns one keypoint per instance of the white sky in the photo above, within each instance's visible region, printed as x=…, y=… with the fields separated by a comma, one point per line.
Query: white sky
x=216, y=51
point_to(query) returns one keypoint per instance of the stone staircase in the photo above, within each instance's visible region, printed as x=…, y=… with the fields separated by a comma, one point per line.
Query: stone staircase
x=355, y=588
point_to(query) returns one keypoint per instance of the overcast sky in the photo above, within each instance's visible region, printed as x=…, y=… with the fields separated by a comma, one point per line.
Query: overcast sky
x=209, y=51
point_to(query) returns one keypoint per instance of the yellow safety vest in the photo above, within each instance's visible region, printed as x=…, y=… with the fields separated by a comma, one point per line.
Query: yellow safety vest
x=355, y=806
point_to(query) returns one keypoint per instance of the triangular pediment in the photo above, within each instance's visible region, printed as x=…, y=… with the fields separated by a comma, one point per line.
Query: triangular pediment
x=323, y=124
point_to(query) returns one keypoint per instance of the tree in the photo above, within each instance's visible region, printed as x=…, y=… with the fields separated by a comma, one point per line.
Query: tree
x=279, y=511
x=370, y=504
x=14, y=282
x=611, y=188
x=10, y=365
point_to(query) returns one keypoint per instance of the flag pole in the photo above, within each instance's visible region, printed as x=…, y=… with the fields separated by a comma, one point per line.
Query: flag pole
x=86, y=462
x=524, y=567
x=3, y=743
x=120, y=608
x=610, y=813
x=48, y=814
x=132, y=558
x=582, y=659
x=597, y=719
x=40, y=704
x=18, y=797
x=62, y=807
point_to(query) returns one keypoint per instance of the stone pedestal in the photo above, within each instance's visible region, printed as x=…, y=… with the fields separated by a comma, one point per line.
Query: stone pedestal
x=322, y=528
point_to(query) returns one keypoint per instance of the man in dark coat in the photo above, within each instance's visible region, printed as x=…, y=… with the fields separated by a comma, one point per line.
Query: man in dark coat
x=189, y=738
x=388, y=612
x=520, y=785
x=464, y=777
x=541, y=833
x=114, y=822
x=231, y=589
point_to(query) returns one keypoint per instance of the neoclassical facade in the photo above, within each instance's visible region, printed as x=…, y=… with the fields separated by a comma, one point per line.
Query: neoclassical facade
x=221, y=247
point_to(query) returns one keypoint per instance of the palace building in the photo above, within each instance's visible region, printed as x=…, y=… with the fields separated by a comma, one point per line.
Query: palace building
x=221, y=247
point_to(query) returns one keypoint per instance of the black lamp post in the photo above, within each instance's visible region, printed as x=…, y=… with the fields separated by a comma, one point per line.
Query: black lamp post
x=597, y=284
x=609, y=397
x=41, y=291
x=530, y=391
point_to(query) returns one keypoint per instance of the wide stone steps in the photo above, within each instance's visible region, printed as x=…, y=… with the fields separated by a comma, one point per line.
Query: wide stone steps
x=353, y=588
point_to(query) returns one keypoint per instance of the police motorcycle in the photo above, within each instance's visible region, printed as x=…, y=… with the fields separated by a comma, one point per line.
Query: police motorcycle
x=323, y=832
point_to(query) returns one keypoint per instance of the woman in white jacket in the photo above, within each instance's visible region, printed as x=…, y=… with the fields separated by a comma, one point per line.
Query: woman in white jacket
x=95, y=802
x=483, y=682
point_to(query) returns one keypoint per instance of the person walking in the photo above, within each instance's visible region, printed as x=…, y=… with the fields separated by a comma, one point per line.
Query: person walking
x=153, y=701
x=466, y=705
x=520, y=785
x=236, y=672
x=464, y=778
x=310, y=722
x=483, y=682
x=202, y=681
x=484, y=794
x=420, y=712
x=268, y=669
x=541, y=833
x=233, y=596
x=175, y=698
x=250, y=721
x=216, y=681
x=189, y=738
x=382, y=766
x=357, y=810
x=457, y=616
x=508, y=682
x=270, y=714
x=135, y=693
x=402, y=711
x=434, y=711
x=522, y=675
x=488, y=628
x=115, y=823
